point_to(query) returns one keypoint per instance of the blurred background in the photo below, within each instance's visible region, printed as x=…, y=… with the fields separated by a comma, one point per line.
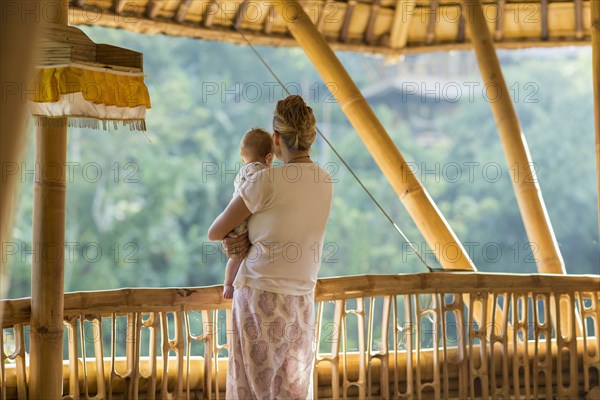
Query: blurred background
x=139, y=206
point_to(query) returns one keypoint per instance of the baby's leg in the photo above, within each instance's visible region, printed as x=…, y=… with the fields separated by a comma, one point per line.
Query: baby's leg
x=230, y=272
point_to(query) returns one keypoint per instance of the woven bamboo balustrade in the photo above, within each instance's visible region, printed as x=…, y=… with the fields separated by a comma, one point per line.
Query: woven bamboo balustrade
x=380, y=336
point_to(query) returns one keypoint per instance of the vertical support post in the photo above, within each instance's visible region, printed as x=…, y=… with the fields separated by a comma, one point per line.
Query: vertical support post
x=595, y=5
x=413, y=195
x=47, y=269
x=16, y=69
x=527, y=190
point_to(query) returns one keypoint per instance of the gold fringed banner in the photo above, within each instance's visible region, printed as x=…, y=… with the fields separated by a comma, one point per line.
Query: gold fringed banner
x=91, y=97
x=89, y=123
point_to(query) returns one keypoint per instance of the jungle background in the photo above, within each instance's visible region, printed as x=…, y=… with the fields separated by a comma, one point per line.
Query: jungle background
x=139, y=206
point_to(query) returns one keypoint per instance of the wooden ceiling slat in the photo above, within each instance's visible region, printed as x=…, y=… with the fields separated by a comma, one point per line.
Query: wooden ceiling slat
x=431, y=23
x=209, y=14
x=182, y=10
x=324, y=14
x=402, y=17
x=119, y=5
x=152, y=8
x=239, y=17
x=460, y=30
x=347, y=20
x=369, y=35
x=378, y=26
x=579, y=19
x=499, y=33
x=544, y=9
x=268, y=26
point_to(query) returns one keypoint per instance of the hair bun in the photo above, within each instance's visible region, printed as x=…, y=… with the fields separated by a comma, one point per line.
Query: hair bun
x=295, y=122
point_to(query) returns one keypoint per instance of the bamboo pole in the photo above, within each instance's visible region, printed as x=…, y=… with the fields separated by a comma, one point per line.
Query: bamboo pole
x=527, y=190
x=595, y=12
x=47, y=273
x=47, y=269
x=16, y=59
x=420, y=206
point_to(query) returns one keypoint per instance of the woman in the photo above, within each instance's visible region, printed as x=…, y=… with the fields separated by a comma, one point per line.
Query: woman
x=271, y=354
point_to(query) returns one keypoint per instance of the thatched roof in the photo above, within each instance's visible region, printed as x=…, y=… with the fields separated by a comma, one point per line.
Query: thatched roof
x=379, y=26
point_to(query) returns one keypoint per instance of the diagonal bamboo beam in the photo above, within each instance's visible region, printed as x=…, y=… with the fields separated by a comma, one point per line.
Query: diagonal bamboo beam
x=527, y=190
x=595, y=4
x=414, y=196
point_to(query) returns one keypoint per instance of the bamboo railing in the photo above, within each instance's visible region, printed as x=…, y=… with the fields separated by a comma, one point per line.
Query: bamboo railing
x=379, y=336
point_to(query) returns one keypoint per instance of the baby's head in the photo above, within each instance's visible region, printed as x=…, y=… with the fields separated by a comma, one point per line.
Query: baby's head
x=257, y=145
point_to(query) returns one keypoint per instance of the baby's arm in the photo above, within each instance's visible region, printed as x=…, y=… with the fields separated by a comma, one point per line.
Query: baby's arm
x=231, y=271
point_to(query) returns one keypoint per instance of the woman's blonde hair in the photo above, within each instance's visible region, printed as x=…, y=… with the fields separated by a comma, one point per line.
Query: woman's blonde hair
x=295, y=122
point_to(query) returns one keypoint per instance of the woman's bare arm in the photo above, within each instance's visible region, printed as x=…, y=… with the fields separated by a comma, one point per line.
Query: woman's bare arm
x=232, y=216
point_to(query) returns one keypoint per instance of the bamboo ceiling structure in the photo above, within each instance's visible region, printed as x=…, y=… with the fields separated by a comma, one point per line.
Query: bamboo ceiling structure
x=390, y=27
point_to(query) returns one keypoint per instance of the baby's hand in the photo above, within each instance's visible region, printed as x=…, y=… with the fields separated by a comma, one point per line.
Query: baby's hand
x=228, y=292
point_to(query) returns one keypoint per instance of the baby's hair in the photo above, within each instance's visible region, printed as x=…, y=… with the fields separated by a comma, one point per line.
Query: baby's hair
x=256, y=143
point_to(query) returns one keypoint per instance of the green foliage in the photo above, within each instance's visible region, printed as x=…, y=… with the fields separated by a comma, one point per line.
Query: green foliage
x=150, y=209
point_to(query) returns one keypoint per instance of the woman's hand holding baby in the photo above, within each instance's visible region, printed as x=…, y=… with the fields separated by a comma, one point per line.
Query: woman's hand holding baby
x=235, y=246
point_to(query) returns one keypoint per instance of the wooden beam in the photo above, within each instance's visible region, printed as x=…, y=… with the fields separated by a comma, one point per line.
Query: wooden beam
x=325, y=14
x=239, y=17
x=401, y=23
x=128, y=300
x=595, y=14
x=152, y=8
x=499, y=34
x=268, y=25
x=544, y=19
x=209, y=14
x=119, y=5
x=411, y=192
x=182, y=10
x=347, y=20
x=579, y=33
x=369, y=32
x=460, y=30
x=527, y=190
x=431, y=23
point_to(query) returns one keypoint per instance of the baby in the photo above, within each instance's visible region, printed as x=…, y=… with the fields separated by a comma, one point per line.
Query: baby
x=256, y=151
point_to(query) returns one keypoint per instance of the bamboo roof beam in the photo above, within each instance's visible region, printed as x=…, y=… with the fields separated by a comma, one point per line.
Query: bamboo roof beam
x=268, y=26
x=411, y=192
x=579, y=33
x=432, y=11
x=152, y=8
x=209, y=13
x=544, y=19
x=499, y=34
x=401, y=23
x=460, y=30
x=527, y=190
x=370, y=31
x=347, y=20
x=182, y=10
x=119, y=5
x=239, y=16
x=595, y=15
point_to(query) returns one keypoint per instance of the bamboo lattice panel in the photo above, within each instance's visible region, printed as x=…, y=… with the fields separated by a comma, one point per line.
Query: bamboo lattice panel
x=416, y=336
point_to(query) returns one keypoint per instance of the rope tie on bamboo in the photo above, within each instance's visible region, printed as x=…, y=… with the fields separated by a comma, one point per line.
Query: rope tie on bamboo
x=338, y=155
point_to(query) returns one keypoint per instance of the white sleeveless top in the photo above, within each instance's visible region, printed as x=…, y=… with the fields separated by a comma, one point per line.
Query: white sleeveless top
x=290, y=206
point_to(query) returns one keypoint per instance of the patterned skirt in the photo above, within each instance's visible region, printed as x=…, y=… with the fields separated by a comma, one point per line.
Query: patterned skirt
x=272, y=349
